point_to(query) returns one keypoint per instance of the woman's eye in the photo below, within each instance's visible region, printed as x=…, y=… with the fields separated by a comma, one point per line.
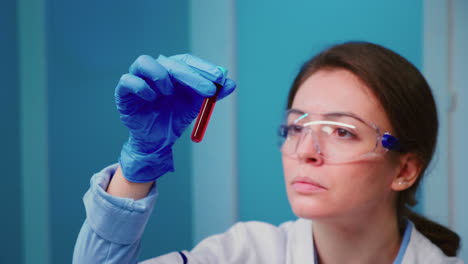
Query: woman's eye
x=294, y=130
x=290, y=130
x=343, y=133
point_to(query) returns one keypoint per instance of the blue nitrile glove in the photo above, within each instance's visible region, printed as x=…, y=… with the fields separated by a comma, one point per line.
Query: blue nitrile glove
x=157, y=100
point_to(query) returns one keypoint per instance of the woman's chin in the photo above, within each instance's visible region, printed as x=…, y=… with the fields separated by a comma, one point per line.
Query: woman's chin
x=310, y=209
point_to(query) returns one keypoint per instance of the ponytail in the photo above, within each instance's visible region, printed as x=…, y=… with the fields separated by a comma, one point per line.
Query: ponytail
x=444, y=238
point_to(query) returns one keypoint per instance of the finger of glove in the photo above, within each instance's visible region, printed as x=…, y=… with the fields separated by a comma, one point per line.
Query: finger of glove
x=147, y=68
x=131, y=85
x=205, y=68
x=209, y=71
x=186, y=75
x=228, y=88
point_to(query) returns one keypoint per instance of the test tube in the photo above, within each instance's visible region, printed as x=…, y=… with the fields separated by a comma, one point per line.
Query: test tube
x=204, y=116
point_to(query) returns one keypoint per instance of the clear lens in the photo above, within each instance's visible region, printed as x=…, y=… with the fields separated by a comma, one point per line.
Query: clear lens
x=337, y=137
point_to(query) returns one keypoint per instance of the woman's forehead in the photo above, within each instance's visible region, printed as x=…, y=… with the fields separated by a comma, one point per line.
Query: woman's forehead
x=339, y=90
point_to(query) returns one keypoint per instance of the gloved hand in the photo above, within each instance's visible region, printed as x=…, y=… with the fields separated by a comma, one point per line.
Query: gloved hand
x=157, y=100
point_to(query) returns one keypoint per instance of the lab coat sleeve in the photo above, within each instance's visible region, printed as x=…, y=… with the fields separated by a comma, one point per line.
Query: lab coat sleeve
x=113, y=227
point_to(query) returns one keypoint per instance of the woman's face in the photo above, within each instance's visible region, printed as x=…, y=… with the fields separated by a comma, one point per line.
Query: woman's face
x=356, y=188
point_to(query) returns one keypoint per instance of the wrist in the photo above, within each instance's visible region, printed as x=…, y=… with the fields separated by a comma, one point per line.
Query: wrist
x=121, y=187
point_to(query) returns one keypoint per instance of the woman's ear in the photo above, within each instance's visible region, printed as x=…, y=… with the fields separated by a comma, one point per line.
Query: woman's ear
x=410, y=168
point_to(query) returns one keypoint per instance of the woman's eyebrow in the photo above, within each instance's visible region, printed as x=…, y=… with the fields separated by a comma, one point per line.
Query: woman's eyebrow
x=297, y=111
x=331, y=115
x=340, y=114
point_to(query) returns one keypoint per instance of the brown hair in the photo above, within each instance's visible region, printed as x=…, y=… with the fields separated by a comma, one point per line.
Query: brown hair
x=408, y=102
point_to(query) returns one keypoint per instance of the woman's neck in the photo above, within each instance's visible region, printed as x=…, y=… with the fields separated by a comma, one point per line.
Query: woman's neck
x=369, y=239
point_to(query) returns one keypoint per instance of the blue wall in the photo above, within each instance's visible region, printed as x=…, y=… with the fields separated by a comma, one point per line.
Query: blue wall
x=445, y=67
x=10, y=240
x=90, y=45
x=274, y=39
x=460, y=80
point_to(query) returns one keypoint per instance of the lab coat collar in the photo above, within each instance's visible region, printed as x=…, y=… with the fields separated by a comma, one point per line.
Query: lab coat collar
x=300, y=246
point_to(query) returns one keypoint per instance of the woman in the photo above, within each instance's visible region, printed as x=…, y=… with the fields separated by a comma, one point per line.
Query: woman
x=359, y=131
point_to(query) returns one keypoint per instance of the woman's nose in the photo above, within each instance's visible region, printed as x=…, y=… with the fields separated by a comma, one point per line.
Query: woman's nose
x=308, y=149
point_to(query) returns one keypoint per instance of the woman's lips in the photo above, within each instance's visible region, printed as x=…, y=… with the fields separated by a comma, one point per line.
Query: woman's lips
x=306, y=186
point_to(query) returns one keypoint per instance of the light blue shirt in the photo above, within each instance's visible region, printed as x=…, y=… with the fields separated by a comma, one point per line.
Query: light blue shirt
x=113, y=227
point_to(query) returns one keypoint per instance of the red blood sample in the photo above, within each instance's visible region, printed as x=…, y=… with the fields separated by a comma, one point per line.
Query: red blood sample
x=204, y=116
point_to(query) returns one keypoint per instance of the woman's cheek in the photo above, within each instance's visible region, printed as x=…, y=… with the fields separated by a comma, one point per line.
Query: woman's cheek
x=361, y=186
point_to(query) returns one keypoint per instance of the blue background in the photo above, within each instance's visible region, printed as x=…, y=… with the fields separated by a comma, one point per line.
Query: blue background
x=90, y=44
x=10, y=240
x=87, y=45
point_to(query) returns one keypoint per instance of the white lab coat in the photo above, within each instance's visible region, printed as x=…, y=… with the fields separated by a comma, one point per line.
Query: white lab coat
x=290, y=243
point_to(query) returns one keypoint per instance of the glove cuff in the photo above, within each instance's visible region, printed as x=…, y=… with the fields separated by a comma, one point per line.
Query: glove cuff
x=145, y=167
